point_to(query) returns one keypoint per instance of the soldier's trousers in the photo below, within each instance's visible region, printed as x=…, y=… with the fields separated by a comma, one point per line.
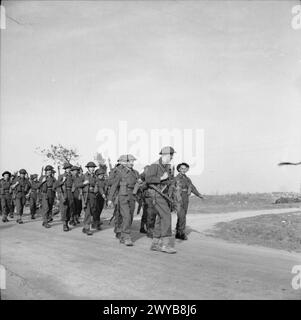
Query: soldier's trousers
x=127, y=208
x=182, y=208
x=20, y=203
x=77, y=205
x=163, y=216
x=33, y=205
x=144, y=216
x=89, y=210
x=6, y=205
x=151, y=214
x=67, y=206
x=117, y=219
x=100, y=202
x=47, y=205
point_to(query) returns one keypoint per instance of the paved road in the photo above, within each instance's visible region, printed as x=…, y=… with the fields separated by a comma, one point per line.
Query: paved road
x=50, y=264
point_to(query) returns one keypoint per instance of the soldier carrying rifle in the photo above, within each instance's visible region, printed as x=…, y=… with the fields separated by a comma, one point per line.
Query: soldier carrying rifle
x=33, y=195
x=159, y=179
x=47, y=188
x=77, y=195
x=21, y=187
x=126, y=178
x=6, y=195
x=87, y=182
x=64, y=187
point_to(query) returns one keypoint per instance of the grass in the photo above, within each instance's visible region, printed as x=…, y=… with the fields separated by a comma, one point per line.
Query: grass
x=280, y=231
x=237, y=202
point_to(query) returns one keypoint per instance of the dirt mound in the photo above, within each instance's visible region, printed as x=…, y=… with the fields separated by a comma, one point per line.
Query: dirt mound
x=281, y=231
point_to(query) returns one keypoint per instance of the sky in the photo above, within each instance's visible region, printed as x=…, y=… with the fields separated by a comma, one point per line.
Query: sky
x=70, y=69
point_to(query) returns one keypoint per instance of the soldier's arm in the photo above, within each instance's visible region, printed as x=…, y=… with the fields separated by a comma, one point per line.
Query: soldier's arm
x=151, y=174
x=114, y=187
x=14, y=183
x=42, y=180
x=112, y=177
x=79, y=183
x=194, y=190
x=29, y=188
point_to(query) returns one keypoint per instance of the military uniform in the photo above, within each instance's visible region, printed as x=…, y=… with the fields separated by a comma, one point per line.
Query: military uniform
x=13, y=198
x=47, y=189
x=89, y=196
x=113, y=176
x=185, y=187
x=77, y=196
x=21, y=187
x=124, y=183
x=148, y=217
x=6, y=196
x=33, y=196
x=101, y=186
x=153, y=176
x=163, y=210
x=64, y=185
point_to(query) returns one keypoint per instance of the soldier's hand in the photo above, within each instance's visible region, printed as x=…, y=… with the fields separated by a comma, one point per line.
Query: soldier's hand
x=110, y=204
x=86, y=182
x=164, y=176
x=104, y=196
x=44, y=179
x=64, y=179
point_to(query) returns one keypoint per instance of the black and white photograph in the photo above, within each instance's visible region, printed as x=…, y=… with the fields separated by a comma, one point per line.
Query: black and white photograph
x=150, y=151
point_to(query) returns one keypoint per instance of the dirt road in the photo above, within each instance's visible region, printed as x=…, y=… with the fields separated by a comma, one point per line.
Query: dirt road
x=50, y=264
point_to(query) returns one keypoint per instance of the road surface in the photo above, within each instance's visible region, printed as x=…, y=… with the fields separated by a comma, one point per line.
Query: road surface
x=51, y=264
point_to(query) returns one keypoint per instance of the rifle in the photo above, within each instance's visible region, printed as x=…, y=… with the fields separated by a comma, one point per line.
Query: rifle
x=163, y=195
x=84, y=199
x=42, y=170
x=110, y=164
x=62, y=187
x=116, y=209
x=140, y=204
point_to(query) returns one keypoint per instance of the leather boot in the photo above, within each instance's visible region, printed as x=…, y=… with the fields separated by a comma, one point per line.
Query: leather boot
x=65, y=226
x=128, y=242
x=46, y=225
x=166, y=247
x=88, y=232
x=155, y=246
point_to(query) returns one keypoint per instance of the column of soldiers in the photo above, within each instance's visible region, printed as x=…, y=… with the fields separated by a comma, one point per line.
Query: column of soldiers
x=157, y=190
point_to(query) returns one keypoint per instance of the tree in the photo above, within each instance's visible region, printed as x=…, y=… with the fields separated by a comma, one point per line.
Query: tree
x=59, y=154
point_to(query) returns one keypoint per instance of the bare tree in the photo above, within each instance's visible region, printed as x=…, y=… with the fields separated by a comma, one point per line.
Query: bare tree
x=58, y=154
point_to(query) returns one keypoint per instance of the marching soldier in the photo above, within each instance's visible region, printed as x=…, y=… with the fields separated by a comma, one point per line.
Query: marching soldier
x=6, y=197
x=185, y=187
x=47, y=189
x=113, y=176
x=159, y=180
x=13, y=196
x=124, y=184
x=33, y=195
x=100, y=189
x=87, y=182
x=149, y=213
x=21, y=187
x=64, y=186
x=77, y=195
